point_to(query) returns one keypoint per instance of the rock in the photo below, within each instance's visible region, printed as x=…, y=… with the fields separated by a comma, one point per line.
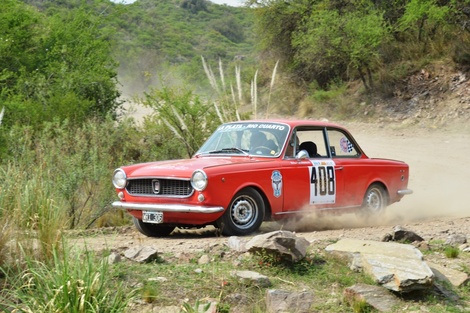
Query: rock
x=464, y=247
x=398, y=267
x=141, y=254
x=284, y=243
x=456, y=240
x=114, y=258
x=402, y=234
x=387, y=238
x=159, y=279
x=236, y=243
x=377, y=297
x=252, y=278
x=204, y=259
x=278, y=301
x=454, y=277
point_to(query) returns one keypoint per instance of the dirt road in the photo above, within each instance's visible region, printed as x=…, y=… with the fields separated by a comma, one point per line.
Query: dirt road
x=440, y=172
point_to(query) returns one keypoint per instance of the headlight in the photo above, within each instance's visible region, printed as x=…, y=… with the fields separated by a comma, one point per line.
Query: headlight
x=119, y=179
x=199, y=180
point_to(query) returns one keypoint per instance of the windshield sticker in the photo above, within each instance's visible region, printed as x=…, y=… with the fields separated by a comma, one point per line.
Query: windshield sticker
x=242, y=126
x=276, y=180
x=322, y=182
x=346, y=145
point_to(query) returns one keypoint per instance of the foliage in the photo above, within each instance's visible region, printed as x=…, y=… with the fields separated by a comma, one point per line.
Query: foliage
x=66, y=284
x=328, y=41
x=451, y=252
x=55, y=66
x=188, y=118
x=361, y=306
x=63, y=171
x=322, y=42
x=196, y=308
x=422, y=18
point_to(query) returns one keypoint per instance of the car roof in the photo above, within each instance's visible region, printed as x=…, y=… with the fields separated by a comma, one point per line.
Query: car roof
x=293, y=122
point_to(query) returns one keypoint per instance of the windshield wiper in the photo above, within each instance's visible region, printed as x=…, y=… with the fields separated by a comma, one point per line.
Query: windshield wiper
x=225, y=150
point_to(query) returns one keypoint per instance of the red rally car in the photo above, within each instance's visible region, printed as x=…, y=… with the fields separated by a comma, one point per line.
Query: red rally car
x=251, y=171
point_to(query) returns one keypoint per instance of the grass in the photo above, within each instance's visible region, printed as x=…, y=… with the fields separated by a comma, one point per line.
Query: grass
x=64, y=284
x=451, y=252
x=182, y=282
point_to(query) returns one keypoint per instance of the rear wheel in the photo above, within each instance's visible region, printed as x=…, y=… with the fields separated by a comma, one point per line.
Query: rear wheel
x=375, y=200
x=152, y=230
x=244, y=214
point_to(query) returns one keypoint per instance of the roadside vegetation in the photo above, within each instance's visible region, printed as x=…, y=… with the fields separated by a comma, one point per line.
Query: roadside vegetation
x=63, y=131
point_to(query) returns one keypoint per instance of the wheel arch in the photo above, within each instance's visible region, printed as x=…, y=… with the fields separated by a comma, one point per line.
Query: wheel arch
x=381, y=184
x=267, y=203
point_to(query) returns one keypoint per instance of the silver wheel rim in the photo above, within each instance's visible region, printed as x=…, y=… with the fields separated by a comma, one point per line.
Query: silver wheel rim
x=375, y=200
x=243, y=212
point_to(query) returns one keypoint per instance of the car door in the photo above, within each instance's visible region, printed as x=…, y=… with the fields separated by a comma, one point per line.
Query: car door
x=310, y=183
x=349, y=167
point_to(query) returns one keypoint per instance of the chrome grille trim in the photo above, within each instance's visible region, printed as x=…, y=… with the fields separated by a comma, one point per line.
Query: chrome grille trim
x=168, y=187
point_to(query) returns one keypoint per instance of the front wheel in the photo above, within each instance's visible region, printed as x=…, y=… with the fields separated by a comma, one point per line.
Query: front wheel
x=244, y=215
x=152, y=230
x=375, y=200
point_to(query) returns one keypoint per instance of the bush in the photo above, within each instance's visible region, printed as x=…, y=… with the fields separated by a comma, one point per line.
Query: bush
x=65, y=284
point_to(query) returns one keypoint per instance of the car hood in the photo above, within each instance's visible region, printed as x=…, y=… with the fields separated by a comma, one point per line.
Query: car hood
x=182, y=168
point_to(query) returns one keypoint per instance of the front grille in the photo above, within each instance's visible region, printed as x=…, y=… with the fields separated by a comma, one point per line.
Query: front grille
x=167, y=187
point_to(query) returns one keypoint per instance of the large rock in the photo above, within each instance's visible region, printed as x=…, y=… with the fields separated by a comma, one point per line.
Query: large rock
x=403, y=235
x=281, y=301
x=398, y=267
x=377, y=297
x=141, y=254
x=449, y=275
x=252, y=278
x=283, y=243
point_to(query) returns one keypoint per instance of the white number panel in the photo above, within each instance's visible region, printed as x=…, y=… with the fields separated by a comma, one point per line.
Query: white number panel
x=322, y=182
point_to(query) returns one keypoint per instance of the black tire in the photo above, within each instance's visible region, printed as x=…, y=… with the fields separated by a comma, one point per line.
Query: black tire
x=152, y=230
x=375, y=200
x=244, y=215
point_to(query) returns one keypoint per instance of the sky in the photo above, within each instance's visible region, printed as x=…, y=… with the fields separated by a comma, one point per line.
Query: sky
x=233, y=3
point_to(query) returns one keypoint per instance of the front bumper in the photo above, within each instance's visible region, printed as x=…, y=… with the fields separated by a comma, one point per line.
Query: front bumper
x=179, y=208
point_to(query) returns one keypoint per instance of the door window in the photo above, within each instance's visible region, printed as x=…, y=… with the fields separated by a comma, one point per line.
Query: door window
x=341, y=146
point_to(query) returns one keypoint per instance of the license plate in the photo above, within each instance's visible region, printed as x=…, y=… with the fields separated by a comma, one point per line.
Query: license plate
x=152, y=217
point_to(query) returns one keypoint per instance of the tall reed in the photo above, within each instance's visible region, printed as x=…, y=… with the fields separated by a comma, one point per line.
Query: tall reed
x=230, y=103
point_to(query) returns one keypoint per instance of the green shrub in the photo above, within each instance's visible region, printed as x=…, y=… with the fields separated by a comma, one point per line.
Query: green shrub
x=451, y=252
x=66, y=283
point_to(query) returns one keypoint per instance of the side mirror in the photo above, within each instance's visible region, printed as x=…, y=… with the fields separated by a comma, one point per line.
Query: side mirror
x=302, y=154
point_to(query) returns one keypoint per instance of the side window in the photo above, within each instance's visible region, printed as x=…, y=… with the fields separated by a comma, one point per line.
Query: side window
x=313, y=142
x=340, y=145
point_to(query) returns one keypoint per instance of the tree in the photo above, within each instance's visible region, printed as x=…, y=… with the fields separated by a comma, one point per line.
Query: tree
x=331, y=42
x=183, y=116
x=56, y=66
x=422, y=17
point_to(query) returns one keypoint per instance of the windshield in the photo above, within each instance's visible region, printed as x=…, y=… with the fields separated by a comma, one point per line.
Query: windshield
x=247, y=138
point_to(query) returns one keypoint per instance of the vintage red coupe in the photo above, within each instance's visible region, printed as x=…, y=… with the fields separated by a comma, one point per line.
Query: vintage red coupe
x=251, y=171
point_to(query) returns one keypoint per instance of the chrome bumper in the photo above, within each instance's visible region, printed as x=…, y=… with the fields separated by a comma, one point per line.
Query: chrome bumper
x=179, y=208
x=403, y=192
